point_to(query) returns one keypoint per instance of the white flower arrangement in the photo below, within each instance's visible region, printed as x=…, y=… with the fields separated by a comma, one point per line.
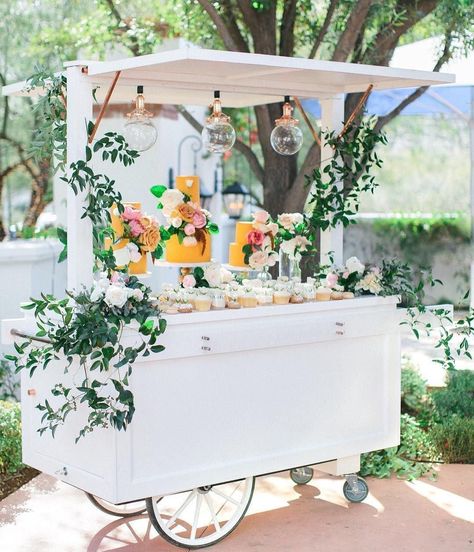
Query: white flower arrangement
x=292, y=236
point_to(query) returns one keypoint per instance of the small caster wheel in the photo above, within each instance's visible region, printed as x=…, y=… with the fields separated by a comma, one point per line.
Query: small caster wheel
x=355, y=489
x=301, y=476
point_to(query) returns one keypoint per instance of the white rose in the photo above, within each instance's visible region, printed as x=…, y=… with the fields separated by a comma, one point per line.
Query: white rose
x=354, y=265
x=286, y=220
x=272, y=259
x=116, y=296
x=288, y=247
x=97, y=294
x=134, y=251
x=189, y=241
x=258, y=260
x=212, y=273
x=171, y=198
x=298, y=218
x=137, y=294
x=176, y=222
x=226, y=276
x=273, y=228
x=103, y=283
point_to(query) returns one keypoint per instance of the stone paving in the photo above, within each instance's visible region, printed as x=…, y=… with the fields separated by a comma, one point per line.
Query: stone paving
x=398, y=516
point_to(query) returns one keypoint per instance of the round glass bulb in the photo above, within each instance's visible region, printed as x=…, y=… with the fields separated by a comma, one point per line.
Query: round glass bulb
x=218, y=137
x=286, y=139
x=140, y=133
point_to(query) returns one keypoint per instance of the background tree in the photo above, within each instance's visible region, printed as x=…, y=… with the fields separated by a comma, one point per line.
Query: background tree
x=358, y=31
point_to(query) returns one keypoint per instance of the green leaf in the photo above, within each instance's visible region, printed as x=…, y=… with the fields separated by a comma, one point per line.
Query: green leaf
x=158, y=190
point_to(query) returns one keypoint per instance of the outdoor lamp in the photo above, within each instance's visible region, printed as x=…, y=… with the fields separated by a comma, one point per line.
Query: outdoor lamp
x=140, y=133
x=205, y=197
x=234, y=197
x=218, y=135
x=286, y=138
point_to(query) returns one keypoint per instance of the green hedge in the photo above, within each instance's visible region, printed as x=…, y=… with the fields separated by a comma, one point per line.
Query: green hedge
x=10, y=437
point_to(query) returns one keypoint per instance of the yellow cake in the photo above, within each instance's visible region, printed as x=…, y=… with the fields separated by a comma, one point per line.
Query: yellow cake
x=139, y=267
x=236, y=255
x=176, y=252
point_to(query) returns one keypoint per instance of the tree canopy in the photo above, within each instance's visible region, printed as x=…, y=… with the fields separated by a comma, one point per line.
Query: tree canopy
x=357, y=31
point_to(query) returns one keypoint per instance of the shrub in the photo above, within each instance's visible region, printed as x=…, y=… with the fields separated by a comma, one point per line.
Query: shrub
x=414, y=395
x=454, y=438
x=9, y=384
x=458, y=396
x=410, y=459
x=10, y=437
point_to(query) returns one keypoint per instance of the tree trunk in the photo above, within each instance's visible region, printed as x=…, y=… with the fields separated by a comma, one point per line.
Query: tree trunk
x=39, y=188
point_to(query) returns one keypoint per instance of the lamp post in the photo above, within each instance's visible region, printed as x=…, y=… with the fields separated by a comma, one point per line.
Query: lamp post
x=235, y=197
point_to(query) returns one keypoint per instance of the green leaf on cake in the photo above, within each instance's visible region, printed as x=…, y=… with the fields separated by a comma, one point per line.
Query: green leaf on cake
x=158, y=190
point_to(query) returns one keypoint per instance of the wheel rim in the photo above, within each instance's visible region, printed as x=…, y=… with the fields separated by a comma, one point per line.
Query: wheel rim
x=301, y=476
x=356, y=494
x=204, y=515
x=128, y=509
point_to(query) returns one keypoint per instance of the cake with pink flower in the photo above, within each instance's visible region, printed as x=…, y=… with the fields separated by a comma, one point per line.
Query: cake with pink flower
x=187, y=233
x=254, y=241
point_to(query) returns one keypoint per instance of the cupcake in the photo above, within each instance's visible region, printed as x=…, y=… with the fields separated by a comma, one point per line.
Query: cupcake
x=348, y=295
x=185, y=307
x=296, y=299
x=323, y=294
x=281, y=297
x=248, y=299
x=202, y=302
x=336, y=295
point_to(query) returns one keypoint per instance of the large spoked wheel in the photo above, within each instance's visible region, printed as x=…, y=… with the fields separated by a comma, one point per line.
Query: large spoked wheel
x=355, y=490
x=203, y=516
x=301, y=476
x=120, y=510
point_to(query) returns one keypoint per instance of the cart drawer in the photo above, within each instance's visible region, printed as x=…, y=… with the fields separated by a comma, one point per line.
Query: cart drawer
x=290, y=329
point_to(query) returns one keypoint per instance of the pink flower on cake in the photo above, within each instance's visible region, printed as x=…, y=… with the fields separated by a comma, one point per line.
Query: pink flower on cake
x=255, y=237
x=261, y=216
x=136, y=228
x=131, y=214
x=189, y=281
x=199, y=219
x=189, y=229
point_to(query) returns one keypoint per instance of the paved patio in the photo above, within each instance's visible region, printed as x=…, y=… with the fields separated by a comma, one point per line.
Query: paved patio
x=424, y=516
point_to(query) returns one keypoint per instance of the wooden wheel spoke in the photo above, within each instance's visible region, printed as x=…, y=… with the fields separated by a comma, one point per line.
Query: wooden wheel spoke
x=196, y=516
x=181, y=509
x=213, y=513
x=227, y=498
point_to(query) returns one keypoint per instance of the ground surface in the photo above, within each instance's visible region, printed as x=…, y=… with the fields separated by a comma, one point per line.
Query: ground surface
x=424, y=516
x=10, y=483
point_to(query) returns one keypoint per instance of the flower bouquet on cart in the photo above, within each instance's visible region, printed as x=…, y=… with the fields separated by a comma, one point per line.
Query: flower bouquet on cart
x=293, y=242
x=353, y=277
x=259, y=251
x=134, y=234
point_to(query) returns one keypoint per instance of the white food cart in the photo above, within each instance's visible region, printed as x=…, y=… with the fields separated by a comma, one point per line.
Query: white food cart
x=235, y=394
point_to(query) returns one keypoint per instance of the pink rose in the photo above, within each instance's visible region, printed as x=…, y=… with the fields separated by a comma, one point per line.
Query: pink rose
x=131, y=214
x=136, y=228
x=331, y=279
x=345, y=275
x=189, y=229
x=199, y=219
x=261, y=216
x=255, y=237
x=189, y=281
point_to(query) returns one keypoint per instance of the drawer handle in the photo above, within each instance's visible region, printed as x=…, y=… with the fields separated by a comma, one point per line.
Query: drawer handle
x=338, y=332
x=61, y=471
x=31, y=392
x=340, y=324
x=205, y=348
x=204, y=338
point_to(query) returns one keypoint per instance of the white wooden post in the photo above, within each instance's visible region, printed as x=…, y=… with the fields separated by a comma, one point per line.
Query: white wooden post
x=79, y=231
x=471, y=149
x=332, y=118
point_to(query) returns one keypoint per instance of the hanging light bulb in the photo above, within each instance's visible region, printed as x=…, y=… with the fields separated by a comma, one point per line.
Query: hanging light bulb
x=286, y=138
x=140, y=133
x=218, y=135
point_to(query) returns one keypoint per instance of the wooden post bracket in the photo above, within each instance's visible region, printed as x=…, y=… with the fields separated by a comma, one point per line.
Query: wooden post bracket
x=357, y=108
x=104, y=107
x=307, y=121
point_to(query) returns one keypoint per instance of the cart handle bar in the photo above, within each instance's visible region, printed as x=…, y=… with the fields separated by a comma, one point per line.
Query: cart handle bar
x=17, y=333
